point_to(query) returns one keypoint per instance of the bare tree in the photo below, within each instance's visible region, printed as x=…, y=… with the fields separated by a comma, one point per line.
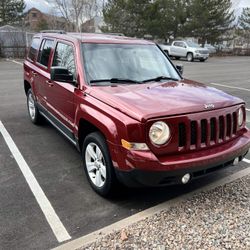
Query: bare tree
x=77, y=11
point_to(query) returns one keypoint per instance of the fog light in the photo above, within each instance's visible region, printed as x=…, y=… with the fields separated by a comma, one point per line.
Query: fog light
x=186, y=178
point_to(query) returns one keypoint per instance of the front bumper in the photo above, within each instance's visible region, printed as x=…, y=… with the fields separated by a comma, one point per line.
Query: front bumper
x=201, y=56
x=144, y=168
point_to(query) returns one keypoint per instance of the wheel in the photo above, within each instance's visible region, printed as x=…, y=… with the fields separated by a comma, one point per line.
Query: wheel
x=33, y=111
x=177, y=57
x=202, y=60
x=190, y=57
x=98, y=164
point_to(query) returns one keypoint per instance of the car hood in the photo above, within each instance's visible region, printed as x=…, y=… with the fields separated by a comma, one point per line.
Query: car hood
x=146, y=101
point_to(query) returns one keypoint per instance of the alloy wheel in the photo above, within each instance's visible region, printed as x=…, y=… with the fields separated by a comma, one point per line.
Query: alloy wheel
x=95, y=163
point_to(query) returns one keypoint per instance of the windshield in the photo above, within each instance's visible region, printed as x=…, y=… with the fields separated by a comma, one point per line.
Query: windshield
x=125, y=61
x=193, y=45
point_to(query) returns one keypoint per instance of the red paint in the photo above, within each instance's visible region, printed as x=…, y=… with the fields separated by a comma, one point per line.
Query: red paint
x=128, y=111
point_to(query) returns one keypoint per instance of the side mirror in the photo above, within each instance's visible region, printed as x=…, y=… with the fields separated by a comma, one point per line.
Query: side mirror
x=180, y=68
x=61, y=74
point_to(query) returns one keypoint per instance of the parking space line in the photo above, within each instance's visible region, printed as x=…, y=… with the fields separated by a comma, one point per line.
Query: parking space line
x=55, y=223
x=14, y=61
x=84, y=241
x=246, y=160
x=230, y=87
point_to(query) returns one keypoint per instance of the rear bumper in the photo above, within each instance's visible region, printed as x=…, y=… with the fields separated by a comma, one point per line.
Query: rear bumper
x=144, y=168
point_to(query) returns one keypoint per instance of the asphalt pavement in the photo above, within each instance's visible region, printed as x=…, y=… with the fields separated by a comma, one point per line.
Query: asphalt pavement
x=57, y=165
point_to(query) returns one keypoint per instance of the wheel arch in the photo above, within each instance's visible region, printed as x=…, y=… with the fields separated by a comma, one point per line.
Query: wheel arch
x=109, y=132
x=91, y=120
x=190, y=52
x=27, y=86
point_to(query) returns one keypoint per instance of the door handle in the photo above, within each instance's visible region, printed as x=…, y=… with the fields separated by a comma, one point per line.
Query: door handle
x=34, y=73
x=50, y=83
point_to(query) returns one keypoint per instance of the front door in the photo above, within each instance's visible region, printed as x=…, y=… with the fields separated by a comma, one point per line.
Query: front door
x=60, y=95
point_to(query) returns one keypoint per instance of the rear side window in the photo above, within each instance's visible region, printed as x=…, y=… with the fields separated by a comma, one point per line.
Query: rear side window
x=64, y=57
x=44, y=52
x=34, y=48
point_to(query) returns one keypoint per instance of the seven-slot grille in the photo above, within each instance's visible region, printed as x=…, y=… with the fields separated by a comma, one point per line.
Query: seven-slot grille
x=207, y=132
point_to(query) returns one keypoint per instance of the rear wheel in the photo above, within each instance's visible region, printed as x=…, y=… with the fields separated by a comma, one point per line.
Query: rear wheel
x=190, y=57
x=177, y=57
x=33, y=111
x=98, y=164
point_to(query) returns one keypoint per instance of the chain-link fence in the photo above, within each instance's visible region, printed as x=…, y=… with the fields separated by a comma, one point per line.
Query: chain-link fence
x=14, y=42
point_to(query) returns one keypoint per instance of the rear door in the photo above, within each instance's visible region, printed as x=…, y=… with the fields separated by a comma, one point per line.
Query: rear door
x=60, y=95
x=43, y=70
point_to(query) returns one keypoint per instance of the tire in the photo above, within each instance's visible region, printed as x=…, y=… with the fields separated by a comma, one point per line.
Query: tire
x=177, y=57
x=33, y=111
x=202, y=60
x=190, y=57
x=98, y=165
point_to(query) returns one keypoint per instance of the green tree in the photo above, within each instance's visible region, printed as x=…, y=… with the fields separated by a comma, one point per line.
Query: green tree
x=168, y=18
x=209, y=19
x=126, y=16
x=244, y=20
x=244, y=23
x=11, y=11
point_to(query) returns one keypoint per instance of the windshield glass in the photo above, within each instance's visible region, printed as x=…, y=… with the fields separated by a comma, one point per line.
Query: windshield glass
x=193, y=45
x=125, y=61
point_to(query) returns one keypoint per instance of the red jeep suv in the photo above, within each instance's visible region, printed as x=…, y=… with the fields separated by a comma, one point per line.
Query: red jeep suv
x=128, y=110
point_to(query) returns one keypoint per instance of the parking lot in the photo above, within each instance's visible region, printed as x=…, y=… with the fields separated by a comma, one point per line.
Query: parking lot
x=57, y=168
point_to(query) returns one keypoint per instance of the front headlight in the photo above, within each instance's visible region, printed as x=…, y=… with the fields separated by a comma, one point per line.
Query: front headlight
x=159, y=133
x=240, y=117
x=197, y=52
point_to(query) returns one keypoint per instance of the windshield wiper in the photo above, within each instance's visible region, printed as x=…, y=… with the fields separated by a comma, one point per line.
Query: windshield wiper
x=159, y=78
x=115, y=80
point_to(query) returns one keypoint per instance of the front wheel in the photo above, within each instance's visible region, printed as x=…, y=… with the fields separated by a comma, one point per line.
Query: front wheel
x=190, y=57
x=98, y=164
x=33, y=111
x=202, y=60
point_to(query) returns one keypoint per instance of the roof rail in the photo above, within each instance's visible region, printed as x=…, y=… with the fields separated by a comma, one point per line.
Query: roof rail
x=104, y=33
x=53, y=31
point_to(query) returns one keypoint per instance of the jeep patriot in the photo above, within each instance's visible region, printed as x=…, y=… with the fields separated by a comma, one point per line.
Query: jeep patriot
x=129, y=111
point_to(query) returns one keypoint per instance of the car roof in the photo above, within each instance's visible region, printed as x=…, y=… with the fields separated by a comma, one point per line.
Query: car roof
x=94, y=38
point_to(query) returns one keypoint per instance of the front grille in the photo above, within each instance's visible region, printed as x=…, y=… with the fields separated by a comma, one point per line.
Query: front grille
x=207, y=132
x=193, y=132
x=203, y=52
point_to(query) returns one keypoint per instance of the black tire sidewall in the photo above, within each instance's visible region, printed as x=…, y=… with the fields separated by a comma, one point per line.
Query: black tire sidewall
x=99, y=140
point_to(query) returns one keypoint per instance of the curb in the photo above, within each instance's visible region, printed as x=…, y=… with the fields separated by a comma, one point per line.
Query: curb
x=94, y=236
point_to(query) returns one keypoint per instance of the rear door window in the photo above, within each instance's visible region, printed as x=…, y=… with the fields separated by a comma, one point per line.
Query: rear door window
x=34, y=48
x=44, y=52
x=64, y=57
